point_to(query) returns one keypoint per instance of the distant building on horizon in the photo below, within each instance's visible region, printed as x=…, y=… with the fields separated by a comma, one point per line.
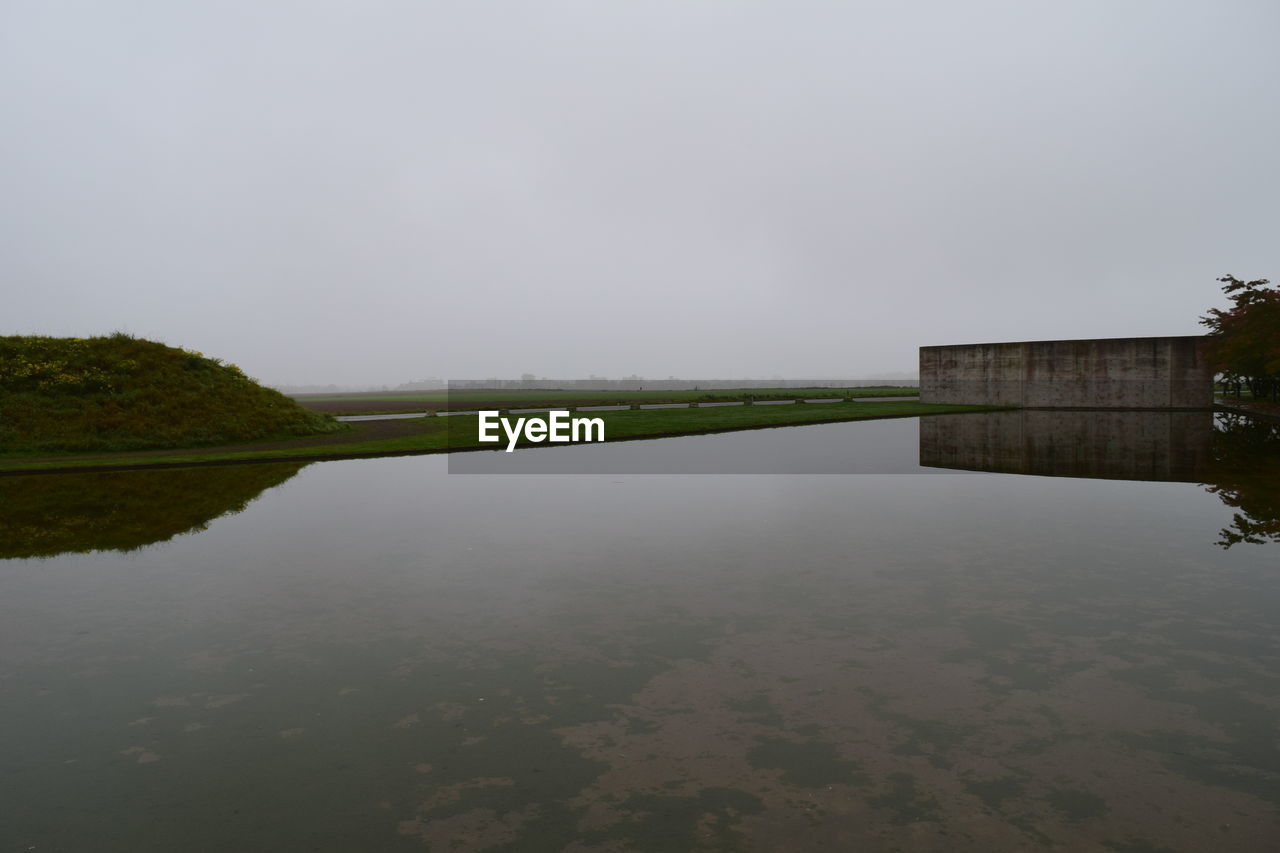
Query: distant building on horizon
x=1104, y=373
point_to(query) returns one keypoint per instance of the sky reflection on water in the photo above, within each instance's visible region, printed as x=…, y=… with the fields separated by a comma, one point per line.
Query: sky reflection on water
x=378, y=655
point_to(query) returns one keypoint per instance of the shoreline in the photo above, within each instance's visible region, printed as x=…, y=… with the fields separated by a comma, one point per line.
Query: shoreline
x=432, y=444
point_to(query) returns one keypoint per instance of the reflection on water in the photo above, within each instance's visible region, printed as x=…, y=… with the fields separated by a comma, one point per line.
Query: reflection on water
x=380, y=656
x=1246, y=476
x=46, y=514
x=1236, y=457
x=1163, y=446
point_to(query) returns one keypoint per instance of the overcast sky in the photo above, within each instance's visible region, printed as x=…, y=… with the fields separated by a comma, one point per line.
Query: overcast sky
x=374, y=192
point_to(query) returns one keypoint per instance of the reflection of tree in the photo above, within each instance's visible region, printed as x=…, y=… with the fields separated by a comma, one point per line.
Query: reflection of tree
x=46, y=514
x=1245, y=474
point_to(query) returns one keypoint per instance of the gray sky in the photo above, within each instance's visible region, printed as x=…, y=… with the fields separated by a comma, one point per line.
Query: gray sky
x=371, y=192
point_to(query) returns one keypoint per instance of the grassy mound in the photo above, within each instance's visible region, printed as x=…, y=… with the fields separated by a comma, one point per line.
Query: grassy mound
x=125, y=393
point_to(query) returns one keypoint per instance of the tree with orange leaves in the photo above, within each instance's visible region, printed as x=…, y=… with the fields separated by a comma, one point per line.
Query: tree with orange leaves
x=1244, y=340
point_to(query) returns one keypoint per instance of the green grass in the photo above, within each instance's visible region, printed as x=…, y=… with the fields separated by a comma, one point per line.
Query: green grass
x=458, y=432
x=368, y=403
x=124, y=393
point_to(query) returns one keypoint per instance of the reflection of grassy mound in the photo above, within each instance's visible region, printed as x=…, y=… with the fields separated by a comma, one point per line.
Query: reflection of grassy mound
x=123, y=393
x=44, y=515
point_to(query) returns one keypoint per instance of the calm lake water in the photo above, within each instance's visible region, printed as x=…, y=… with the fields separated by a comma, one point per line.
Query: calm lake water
x=383, y=656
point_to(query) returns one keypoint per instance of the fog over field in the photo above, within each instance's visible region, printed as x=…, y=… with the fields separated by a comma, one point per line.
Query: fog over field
x=376, y=192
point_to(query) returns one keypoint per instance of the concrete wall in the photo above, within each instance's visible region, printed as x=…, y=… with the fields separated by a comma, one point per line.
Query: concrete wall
x=1122, y=445
x=1108, y=373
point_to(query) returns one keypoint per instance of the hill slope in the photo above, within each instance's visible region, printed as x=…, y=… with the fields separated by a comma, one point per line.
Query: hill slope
x=125, y=393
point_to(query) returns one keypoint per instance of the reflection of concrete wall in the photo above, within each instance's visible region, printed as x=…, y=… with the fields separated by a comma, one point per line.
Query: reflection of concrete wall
x=1114, y=373
x=1109, y=445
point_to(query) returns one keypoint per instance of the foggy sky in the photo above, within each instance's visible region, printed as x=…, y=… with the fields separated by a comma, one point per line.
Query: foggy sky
x=374, y=192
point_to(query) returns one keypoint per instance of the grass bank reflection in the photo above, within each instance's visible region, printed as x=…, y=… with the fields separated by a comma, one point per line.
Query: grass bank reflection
x=43, y=515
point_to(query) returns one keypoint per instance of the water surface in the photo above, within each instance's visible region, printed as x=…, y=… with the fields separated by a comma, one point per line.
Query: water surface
x=378, y=655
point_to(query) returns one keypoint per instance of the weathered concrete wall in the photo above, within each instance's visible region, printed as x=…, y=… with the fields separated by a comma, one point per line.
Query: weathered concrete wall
x=1166, y=446
x=1108, y=373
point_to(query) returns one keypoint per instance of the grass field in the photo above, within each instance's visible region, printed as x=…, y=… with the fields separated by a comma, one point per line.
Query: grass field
x=458, y=432
x=120, y=393
x=404, y=401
